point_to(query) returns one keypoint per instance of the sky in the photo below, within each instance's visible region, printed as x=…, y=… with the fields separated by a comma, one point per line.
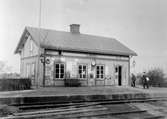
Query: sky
x=139, y=24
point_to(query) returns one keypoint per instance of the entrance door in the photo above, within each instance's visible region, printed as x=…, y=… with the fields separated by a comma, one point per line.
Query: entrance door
x=119, y=75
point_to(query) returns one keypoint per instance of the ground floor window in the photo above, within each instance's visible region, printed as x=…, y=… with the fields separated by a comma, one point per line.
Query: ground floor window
x=33, y=69
x=82, y=71
x=30, y=70
x=59, y=70
x=100, y=71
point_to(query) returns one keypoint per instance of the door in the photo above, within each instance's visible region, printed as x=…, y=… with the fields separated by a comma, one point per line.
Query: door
x=100, y=75
x=119, y=75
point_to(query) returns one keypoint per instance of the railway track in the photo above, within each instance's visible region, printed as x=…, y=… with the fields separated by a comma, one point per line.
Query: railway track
x=53, y=104
x=111, y=109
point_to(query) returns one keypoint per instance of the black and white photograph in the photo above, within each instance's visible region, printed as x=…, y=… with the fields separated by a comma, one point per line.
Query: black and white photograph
x=83, y=59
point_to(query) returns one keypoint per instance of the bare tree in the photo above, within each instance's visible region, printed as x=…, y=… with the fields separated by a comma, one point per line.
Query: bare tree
x=156, y=76
x=4, y=68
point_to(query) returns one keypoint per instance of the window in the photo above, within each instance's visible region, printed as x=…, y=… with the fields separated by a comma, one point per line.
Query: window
x=33, y=73
x=100, y=71
x=33, y=69
x=116, y=69
x=28, y=70
x=59, y=70
x=82, y=71
x=31, y=47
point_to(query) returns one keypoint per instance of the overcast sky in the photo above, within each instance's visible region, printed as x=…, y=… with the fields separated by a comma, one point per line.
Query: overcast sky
x=139, y=24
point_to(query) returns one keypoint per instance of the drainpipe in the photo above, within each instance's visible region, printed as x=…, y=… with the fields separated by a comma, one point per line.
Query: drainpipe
x=129, y=81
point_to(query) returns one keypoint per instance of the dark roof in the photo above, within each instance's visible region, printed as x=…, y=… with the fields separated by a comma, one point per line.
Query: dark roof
x=60, y=40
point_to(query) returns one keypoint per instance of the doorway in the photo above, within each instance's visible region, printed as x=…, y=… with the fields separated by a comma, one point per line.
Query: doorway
x=119, y=75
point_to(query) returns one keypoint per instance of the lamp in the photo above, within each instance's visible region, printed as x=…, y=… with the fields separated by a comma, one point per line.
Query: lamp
x=133, y=63
x=93, y=63
x=43, y=59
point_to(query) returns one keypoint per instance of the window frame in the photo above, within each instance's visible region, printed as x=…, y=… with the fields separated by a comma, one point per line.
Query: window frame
x=28, y=70
x=31, y=46
x=86, y=75
x=33, y=69
x=101, y=76
x=59, y=63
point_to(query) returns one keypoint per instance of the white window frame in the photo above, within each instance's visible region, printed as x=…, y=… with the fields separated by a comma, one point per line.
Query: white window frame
x=101, y=76
x=59, y=73
x=28, y=70
x=31, y=46
x=81, y=75
x=33, y=69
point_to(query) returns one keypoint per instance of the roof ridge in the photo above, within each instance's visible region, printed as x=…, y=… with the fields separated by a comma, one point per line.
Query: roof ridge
x=88, y=42
x=93, y=35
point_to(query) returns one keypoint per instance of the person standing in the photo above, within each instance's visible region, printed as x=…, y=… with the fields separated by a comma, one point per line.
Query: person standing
x=133, y=80
x=145, y=81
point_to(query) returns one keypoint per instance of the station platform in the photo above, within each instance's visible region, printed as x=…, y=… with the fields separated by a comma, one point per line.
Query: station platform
x=80, y=94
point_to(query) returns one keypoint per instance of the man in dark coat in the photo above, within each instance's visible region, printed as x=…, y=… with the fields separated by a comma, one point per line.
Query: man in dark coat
x=133, y=80
x=145, y=81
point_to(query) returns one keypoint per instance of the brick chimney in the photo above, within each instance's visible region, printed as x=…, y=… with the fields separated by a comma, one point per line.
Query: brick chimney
x=74, y=28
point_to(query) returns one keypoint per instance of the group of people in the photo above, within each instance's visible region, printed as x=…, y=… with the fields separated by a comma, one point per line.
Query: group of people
x=145, y=80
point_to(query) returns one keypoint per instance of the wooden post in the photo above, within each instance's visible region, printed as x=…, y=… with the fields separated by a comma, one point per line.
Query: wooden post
x=44, y=62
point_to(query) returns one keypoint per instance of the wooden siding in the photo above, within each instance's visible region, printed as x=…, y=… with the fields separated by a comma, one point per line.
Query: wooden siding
x=72, y=60
x=29, y=56
x=29, y=49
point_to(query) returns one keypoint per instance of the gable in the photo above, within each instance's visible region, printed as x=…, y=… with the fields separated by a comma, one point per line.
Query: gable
x=25, y=37
x=29, y=48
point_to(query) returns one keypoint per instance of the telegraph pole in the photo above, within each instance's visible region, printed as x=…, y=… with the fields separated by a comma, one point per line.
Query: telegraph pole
x=39, y=38
x=40, y=7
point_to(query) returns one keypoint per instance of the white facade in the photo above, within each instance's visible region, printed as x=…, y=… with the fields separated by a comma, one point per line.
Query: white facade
x=73, y=60
x=89, y=69
x=29, y=60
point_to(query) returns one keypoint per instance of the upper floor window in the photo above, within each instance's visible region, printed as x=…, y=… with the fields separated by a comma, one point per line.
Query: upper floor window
x=100, y=71
x=31, y=47
x=59, y=71
x=82, y=71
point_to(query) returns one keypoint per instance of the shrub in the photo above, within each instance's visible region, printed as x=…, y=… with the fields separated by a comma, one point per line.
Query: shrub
x=156, y=77
x=6, y=110
x=72, y=82
x=15, y=84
